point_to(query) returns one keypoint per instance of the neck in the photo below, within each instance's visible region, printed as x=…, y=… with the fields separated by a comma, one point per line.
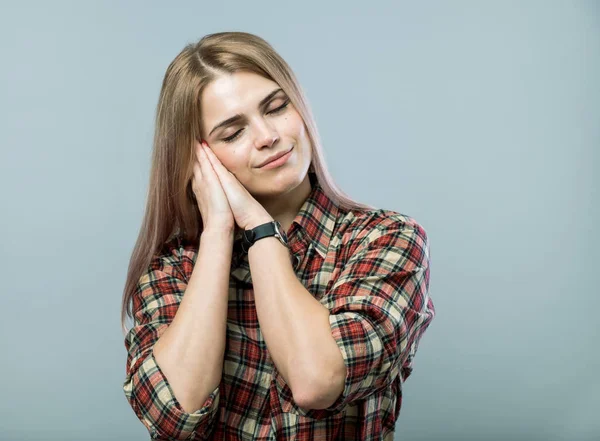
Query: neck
x=285, y=208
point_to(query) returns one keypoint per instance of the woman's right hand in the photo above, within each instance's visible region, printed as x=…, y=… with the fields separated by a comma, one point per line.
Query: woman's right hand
x=210, y=196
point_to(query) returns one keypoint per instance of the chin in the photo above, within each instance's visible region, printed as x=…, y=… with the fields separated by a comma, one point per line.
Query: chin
x=280, y=182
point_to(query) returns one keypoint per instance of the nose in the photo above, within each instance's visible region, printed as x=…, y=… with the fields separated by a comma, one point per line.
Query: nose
x=266, y=136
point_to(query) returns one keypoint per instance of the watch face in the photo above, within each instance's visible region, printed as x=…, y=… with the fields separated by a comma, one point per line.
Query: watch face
x=280, y=231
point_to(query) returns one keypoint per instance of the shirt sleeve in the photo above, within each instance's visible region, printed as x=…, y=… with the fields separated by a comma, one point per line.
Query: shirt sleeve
x=379, y=309
x=155, y=302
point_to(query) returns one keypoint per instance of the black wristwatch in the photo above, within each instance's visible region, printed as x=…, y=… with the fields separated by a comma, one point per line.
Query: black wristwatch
x=272, y=228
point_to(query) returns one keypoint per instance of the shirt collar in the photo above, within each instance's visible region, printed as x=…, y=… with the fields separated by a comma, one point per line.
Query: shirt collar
x=316, y=218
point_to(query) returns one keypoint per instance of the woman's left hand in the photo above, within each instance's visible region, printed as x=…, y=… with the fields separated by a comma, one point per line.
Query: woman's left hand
x=247, y=211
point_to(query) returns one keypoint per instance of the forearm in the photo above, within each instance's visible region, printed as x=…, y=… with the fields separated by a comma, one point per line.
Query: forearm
x=190, y=352
x=295, y=325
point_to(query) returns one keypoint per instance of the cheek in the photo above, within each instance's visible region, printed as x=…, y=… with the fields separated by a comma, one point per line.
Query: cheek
x=294, y=126
x=232, y=160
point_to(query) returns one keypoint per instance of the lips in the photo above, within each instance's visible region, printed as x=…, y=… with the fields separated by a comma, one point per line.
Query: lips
x=273, y=158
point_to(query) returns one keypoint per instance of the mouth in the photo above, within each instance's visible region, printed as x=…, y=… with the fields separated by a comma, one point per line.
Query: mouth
x=278, y=161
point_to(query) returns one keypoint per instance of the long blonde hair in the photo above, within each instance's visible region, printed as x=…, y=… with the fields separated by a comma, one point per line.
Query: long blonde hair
x=170, y=210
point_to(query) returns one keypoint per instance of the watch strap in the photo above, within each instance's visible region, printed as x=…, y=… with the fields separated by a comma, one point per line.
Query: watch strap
x=272, y=228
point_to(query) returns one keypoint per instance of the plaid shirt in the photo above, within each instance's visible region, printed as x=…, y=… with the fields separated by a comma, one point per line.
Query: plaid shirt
x=370, y=268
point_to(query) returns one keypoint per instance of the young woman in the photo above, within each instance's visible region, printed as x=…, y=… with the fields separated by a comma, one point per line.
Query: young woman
x=266, y=303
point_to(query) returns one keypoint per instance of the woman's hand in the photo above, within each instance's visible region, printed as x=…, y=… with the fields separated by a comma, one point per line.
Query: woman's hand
x=212, y=202
x=247, y=211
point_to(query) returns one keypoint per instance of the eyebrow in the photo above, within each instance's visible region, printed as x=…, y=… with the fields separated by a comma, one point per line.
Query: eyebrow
x=238, y=116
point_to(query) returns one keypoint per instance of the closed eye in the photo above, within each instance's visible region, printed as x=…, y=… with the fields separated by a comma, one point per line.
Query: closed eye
x=276, y=110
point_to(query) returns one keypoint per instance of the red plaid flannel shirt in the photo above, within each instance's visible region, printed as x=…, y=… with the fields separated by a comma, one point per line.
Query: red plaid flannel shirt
x=369, y=268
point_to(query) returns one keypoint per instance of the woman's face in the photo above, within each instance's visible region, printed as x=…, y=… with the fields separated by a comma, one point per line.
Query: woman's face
x=268, y=124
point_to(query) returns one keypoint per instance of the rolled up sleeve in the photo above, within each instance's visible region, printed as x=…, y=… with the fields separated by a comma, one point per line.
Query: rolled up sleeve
x=379, y=309
x=155, y=302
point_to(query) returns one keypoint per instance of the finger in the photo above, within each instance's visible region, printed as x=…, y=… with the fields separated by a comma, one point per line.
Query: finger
x=196, y=180
x=211, y=156
x=209, y=174
x=217, y=166
x=205, y=165
x=197, y=170
x=212, y=161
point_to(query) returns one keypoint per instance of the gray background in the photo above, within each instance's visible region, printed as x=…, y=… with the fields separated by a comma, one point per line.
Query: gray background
x=479, y=119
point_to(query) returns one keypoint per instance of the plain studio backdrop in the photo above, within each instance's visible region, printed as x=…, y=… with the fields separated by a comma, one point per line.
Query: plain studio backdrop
x=479, y=119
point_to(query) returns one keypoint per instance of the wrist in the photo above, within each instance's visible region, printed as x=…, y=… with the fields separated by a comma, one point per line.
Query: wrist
x=258, y=220
x=221, y=232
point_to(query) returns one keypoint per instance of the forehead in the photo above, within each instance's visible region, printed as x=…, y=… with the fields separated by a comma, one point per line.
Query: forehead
x=233, y=93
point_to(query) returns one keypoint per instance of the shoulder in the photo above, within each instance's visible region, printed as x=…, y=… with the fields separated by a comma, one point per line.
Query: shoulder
x=384, y=230
x=176, y=257
x=363, y=226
